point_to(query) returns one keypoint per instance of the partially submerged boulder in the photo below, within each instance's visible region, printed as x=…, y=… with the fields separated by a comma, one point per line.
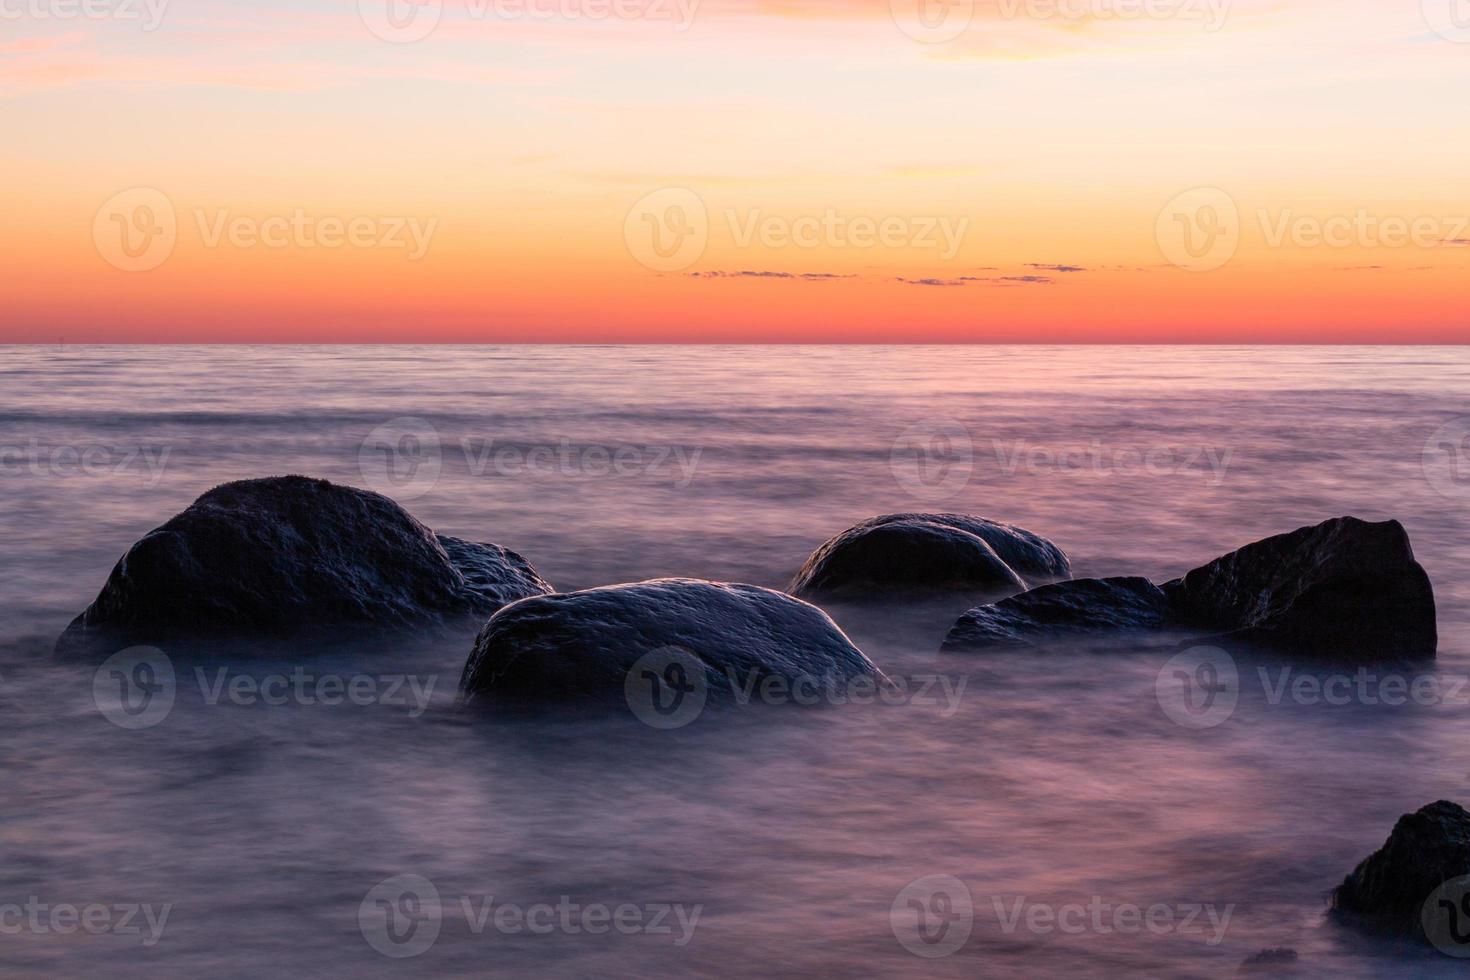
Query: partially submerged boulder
x=584, y=644
x=1093, y=607
x=293, y=558
x=905, y=554
x=1345, y=588
x=1388, y=891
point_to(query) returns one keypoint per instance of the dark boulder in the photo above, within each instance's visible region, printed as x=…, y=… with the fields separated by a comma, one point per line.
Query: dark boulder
x=905, y=554
x=293, y=558
x=584, y=644
x=1107, y=607
x=1342, y=589
x=1388, y=891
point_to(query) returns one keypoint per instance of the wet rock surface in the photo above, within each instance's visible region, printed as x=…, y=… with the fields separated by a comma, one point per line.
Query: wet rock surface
x=293, y=558
x=903, y=555
x=1082, y=607
x=1388, y=891
x=1344, y=589
x=585, y=644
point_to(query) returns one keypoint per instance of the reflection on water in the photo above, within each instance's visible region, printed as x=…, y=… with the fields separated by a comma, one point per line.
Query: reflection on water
x=1057, y=782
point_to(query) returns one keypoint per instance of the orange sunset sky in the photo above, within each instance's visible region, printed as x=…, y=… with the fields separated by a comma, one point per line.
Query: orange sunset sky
x=673, y=170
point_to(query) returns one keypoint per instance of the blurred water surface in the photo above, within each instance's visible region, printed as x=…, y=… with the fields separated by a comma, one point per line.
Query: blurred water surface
x=1054, y=780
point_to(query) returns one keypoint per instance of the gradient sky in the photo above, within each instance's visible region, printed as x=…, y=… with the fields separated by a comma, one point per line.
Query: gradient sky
x=1068, y=151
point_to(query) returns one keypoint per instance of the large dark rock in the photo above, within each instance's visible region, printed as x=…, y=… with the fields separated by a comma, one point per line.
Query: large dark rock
x=1345, y=589
x=902, y=555
x=583, y=644
x=1104, y=607
x=1388, y=890
x=293, y=558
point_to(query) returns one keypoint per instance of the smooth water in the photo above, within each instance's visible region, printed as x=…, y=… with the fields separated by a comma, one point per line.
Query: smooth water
x=1054, y=781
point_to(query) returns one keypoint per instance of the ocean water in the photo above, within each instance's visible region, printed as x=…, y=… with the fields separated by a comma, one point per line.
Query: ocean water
x=1050, y=812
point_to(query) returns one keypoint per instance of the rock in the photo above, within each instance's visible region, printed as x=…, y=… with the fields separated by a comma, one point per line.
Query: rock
x=1387, y=892
x=583, y=644
x=904, y=554
x=1343, y=589
x=1088, y=606
x=293, y=558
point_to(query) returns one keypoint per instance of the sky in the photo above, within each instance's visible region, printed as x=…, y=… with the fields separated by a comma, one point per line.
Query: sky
x=486, y=171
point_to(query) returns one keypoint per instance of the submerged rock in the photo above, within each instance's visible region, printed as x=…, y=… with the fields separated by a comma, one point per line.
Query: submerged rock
x=905, y=554
x=1388, y=891
x=584, y=644
x=293, y=558
x=1089, y=606
x=1342, y=589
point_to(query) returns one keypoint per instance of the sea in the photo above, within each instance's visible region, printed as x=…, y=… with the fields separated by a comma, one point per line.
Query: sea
x=1048, y=812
